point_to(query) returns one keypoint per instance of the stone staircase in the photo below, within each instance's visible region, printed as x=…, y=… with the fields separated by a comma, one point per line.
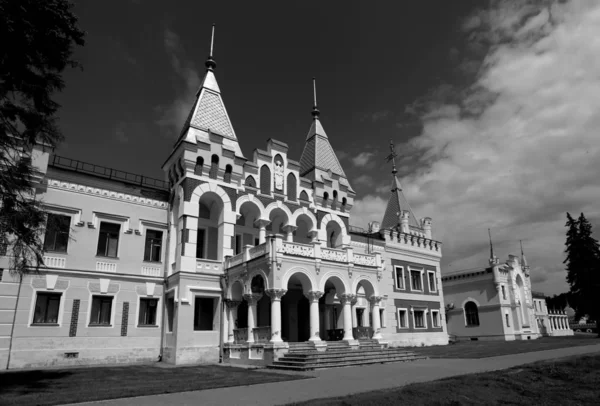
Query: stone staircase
x=304, y=356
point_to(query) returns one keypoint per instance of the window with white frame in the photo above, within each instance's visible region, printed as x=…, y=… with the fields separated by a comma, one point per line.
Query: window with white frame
x=204, y=312
x=108, y=239
x=153, y=245
x=431, y=279
x=416, y=280
x=402, y=318
x=148, y=310
x=435, y=318
x=399, y=277
x=47, y=306
x=56, y=238
x=419, y=319
x=101, y=310
x=471, y=314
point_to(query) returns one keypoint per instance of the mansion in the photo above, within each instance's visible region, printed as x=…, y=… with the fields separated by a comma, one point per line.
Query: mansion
x=230, y=258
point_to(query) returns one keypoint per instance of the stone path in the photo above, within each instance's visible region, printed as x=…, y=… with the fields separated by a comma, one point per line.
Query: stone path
x=346, y=381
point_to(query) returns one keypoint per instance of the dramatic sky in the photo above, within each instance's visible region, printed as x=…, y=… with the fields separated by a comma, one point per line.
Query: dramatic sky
x=493, y=106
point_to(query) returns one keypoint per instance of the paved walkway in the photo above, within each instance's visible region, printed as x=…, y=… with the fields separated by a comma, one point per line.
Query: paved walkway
x=346, y=381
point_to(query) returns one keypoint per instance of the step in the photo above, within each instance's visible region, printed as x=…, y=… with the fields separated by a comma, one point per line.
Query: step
x=312, y=358
x=341, y=359
x=324, y=362
x=304, y=367
x=351, y=352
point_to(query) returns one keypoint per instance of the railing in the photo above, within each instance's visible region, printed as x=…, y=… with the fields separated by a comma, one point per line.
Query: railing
x=365, y=260
x=55, y=262
x=106, y=266
x=236, y=260
x=362, y=333
x=208, y=265
x=151, y=271
x=301, y=250
x=240, y=335
x=108, y=173
x=335, y=255
x=258, y=251
x=262, y=334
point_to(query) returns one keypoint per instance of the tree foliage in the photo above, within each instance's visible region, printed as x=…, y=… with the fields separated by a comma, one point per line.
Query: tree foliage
x=37, y=44
x=583, y=267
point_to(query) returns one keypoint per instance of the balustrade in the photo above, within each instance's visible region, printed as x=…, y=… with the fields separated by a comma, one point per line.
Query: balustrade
x=262, y=334
x=240, y=335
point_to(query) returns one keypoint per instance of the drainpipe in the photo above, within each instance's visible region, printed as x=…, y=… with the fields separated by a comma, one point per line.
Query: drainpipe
x=222, y=332
x=164, y=290
x=12, y=330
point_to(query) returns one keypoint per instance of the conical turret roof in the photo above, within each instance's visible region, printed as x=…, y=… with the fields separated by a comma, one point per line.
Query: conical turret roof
x=396, y=204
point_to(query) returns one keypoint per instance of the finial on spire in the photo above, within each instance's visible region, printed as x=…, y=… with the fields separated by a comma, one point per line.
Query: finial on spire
x=523, y=259
x=492, y=256
x=315, y=113
x=392, y=157
x=210, y=62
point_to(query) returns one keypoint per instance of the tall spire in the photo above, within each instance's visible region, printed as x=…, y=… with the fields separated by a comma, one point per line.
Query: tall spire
x=210, y=62
x=492, y=256
x=523, y=259
x=315, y=112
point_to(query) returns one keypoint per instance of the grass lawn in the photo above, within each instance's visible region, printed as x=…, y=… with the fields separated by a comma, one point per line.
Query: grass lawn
x=574, y=381
x=484, y=349
x=59, y=386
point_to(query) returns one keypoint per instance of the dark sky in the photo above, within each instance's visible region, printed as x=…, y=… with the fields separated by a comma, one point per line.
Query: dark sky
x=370, y=60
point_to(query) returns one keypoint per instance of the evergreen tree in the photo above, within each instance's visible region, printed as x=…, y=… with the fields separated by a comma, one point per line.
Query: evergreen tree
x=583, y=267
x=37, y=43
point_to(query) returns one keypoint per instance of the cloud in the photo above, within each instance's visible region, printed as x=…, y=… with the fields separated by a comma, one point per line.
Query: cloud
x=518, y=147
x=172, y=116
x=363, y=180
x=369, y=208
x=363, y=159
x=376, y=116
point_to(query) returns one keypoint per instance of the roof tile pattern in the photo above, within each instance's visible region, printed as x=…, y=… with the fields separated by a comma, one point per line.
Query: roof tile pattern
x=318, y=152
x=396, y=204
x=210, y=115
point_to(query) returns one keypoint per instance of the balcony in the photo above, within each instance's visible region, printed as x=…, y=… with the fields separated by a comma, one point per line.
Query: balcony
x=209, y=266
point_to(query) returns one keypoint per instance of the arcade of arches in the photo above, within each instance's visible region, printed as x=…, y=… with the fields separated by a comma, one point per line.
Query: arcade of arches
x=299, y=314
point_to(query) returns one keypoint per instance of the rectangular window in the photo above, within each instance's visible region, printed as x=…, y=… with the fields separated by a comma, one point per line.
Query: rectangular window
x=101, y=310
x=535, y=305
x=399, y=277
x=419, y=318
x=170, y=313
x=435, y=318
x=359, y=317
x=57, y=233
x=200, y=242
x=256, y=242
x=203, y=313
x=415, y=280
x=432, y=285
x=507, y=320
x=402, y=318
x=148, y=309
x=238, y=244
x=108, y=242
x=503, y=292
x=153, y=246
x=46, y=308
x=382, y=317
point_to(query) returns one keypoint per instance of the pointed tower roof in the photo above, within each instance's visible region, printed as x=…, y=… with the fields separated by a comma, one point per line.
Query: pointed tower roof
x=208, y=113
x=318, y=155
x=523, y=259
x=397, y=202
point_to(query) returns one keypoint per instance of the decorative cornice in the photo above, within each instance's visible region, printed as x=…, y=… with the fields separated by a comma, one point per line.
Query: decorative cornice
x=105, y=193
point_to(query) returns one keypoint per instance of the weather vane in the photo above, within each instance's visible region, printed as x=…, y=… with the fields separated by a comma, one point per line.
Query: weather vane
x=392, y=157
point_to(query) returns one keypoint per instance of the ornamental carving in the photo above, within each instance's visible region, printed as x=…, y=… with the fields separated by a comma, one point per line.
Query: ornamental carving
x=314, y=295
x=297, y=249
x=278, y=173
x=232, y=304
x=334, y=255
x=346, y=298
x=276, y=294
x=258, y=251
x=365, y=260
x=375, y=300
x=252, y=298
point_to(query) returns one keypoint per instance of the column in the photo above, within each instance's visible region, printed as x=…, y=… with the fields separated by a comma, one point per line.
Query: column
x=262, y=231
x=276, y=295
x=252, y=299
x=313, y=296
x=289, y=232
x=314, y=236
x=375, y=300
x=346, y=299
x=354, y=317
x=232, y=305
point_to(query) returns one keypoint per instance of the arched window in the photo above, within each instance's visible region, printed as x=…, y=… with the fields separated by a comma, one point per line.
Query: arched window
x=250, y=181
x=325, y=198
x=334, y=201
x=227, y=176
x=471, y=314
x=335, y=195
x=204, y=211
x=291, y=187
x=214, y=167
x=304, y=196
x=265, y=180
x=199, y=166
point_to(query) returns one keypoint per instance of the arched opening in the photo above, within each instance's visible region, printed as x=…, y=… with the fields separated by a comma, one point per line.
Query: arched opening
x=214, y=167
x=362, y=316
x=343, y=207
x=227, y=175
x=331, y=310
x=522, y=301
x=279, y=218
x=246, y=231
x=334, y=234
x=295, y=309
x=325, y=199
x=291, y=187
x=334, y=200
x=304, y=225
x=199, y=166
x=263, y=306
x=471, y=314
x=250, y=181
x=210, y=227
x=265, y=180
x=304, y=196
